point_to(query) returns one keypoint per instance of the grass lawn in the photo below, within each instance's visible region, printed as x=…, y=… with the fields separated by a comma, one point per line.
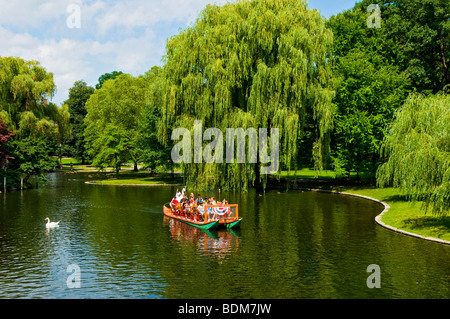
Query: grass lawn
x=68, y=160
x=78, y=167
x=138, y=181
x=139, y=178
x=307, y=173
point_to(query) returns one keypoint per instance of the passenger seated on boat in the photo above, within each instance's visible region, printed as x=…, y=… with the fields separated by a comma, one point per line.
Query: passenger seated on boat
x=174, y=203
x=184, y=205
x=192, y=206
x=199, y=200
x=225, y=202
x=178, y=196
x=209, y=211
x=192, y=202
x=214, y=214
x=201, y=211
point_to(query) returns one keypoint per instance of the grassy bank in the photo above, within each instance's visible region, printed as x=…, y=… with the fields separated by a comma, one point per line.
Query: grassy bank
x=138, y=178
x=306, y=173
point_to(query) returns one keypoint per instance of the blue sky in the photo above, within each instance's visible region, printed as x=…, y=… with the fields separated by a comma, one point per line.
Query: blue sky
x=83, y=39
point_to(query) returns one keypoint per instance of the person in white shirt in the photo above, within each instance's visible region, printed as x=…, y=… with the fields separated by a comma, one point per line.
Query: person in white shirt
x=178, y=196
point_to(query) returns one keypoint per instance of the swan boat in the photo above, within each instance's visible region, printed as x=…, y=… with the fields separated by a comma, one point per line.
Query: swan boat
x=216, y=216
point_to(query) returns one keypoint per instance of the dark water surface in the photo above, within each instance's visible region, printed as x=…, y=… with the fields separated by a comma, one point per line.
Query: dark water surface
x=291, y=245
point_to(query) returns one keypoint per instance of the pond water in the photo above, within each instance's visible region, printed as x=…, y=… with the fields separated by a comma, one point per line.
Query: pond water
x=291, y=245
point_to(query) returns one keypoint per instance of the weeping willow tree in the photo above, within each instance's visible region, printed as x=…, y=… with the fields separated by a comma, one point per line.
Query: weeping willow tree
x=417, y=146
x=25, y=86
x=250, y=64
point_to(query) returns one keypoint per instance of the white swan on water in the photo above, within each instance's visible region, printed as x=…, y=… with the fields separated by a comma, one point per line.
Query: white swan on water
x=51, y=224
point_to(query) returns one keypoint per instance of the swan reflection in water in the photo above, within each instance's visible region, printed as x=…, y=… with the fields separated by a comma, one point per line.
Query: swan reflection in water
x=216, y=244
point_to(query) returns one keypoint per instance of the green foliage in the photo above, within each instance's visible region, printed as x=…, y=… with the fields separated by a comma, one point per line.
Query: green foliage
x=419, y=31
x=417, y=147
x=261, y=64
x=105, y=77
x=112, y=147
x=5, y=136
x=79, y=93
x=31, y=158
x=24, y=86
x=367, y=96
x=39, y=126
x=118, y=104
x=369, y=88
x=377, y=68
x=148, y=140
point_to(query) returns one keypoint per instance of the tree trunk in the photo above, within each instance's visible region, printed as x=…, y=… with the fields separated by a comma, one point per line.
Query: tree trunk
x=258, y=184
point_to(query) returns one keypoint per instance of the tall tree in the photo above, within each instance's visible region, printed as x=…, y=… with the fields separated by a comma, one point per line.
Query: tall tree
x=119, y=103
x=417, y=148
x=260, y=64
x=31, y=158
x=420, y=30
x=369, y=88
x=112, y=147
x=148, y=141
x=79, y=93
x=39, y=125
x=25, y=87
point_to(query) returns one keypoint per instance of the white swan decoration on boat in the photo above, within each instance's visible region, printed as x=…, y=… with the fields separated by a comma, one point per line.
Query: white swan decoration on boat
x=51, y=224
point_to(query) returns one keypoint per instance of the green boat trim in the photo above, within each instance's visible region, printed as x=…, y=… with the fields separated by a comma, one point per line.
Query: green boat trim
x=208, y=226
x=202, y=225
x=234, y=224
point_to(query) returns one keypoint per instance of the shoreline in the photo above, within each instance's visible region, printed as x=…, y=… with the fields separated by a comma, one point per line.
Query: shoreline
x=379, y=216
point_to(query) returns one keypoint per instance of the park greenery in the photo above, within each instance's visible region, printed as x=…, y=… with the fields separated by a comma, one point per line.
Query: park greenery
x=346, y=97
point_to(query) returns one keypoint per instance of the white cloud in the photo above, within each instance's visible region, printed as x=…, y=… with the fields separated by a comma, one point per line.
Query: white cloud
x=137, y=13
x=72, y=60
x=30, y=13
x=115, y=35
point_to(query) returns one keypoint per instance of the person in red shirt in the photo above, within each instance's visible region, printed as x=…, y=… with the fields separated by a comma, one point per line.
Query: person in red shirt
x=174, y=204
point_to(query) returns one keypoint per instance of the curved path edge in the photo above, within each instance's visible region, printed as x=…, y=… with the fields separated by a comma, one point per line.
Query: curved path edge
x=378, y=217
